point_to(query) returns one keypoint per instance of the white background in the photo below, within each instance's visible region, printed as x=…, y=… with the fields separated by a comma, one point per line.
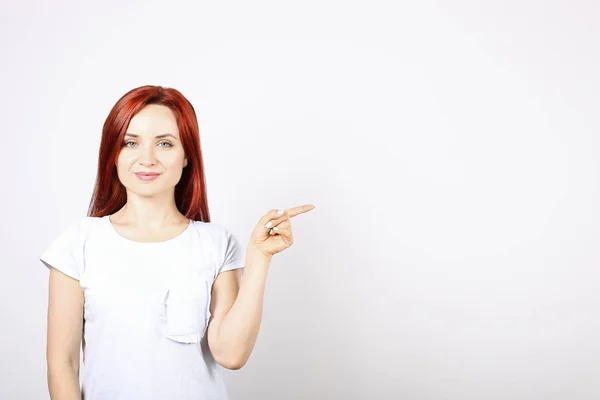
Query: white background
x=450, y=148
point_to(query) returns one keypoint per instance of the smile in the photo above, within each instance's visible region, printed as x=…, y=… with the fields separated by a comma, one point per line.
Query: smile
x=147, y=176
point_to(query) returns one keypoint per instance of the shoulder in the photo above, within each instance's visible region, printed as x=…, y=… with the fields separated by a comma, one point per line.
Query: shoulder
x=79, y=227
x=74, y=226
x=84, y=224
x=223, y=239
x=217, y=231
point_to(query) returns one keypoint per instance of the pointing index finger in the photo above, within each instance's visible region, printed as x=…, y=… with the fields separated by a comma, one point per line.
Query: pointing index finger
x=292, y=212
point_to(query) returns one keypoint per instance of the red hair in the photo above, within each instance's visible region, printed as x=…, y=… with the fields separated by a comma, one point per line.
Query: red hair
x=190, y=193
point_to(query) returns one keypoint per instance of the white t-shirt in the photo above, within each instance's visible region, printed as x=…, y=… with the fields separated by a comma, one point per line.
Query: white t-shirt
x=147, y=306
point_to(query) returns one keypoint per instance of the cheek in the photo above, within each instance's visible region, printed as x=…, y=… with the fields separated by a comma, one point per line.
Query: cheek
x=124, y=160
x=173, y=161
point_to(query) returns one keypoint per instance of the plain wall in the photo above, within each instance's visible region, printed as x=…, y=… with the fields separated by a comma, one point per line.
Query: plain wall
x=450, y=149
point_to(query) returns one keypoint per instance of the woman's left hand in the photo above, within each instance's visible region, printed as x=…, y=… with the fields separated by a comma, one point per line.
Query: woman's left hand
x=273, y=233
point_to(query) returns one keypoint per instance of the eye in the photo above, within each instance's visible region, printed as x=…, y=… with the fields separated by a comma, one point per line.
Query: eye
x=167, y=143
x=126, y=143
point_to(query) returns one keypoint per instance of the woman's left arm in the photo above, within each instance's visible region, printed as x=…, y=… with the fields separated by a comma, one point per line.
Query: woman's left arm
x=236, y=308
x=236, y=314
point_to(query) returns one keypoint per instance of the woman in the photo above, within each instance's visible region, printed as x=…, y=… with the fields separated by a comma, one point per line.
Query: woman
x=153, y=288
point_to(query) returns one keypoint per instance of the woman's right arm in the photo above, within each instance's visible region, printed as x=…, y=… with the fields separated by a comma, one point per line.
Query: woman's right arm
x=65, y=326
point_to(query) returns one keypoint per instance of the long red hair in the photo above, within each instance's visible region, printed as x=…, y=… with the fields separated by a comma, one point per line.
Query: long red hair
x=190, y=193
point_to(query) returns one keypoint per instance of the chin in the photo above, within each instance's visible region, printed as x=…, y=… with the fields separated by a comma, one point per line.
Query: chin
x=144, y=190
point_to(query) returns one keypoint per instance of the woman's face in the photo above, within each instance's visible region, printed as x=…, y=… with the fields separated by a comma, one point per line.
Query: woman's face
x=151, y=145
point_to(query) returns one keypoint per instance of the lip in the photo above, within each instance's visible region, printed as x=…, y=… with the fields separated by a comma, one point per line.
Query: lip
x=147, y=176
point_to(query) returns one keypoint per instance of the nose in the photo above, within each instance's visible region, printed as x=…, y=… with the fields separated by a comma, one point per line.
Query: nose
x=147, y=157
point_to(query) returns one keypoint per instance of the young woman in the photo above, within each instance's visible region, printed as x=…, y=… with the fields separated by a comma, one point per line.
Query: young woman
x=151, y=286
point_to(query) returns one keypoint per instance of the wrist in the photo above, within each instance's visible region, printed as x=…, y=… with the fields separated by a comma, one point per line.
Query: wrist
x=255, y=252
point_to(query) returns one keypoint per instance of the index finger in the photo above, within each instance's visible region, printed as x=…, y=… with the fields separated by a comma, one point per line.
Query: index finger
x=292, y=212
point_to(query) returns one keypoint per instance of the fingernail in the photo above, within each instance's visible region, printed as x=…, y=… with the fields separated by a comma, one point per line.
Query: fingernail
x=269, y=224
x=280, y=212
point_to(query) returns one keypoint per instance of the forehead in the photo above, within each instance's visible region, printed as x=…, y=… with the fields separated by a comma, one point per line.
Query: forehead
x=153, y=120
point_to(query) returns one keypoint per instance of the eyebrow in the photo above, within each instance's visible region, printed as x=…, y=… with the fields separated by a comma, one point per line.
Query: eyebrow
x=157, y=136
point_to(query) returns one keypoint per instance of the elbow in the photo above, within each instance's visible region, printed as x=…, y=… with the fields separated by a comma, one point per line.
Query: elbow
x=229, y=355
x=234, y=366
x=233, y=363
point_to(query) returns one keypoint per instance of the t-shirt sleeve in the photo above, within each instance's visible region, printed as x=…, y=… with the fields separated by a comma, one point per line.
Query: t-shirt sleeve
x=65, y=253
x=234, y=253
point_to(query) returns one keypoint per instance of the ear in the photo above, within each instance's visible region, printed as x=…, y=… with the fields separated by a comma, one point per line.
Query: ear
x=185, y=162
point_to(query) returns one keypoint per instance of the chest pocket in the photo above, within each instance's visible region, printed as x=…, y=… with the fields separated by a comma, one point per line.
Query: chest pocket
x=187, y=308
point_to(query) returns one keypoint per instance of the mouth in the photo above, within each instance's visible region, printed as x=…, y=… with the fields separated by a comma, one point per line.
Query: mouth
x=147, y=176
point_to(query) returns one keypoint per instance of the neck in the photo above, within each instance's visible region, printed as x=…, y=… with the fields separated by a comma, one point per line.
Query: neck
x=153, y=212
